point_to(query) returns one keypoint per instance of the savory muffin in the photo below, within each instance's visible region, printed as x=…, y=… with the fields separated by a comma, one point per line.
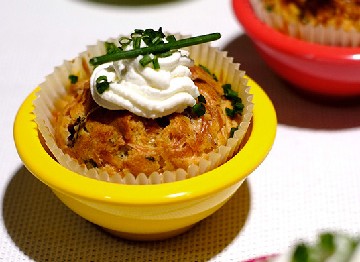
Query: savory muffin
x=333, y=22
x=122, y=142
x=148, y=117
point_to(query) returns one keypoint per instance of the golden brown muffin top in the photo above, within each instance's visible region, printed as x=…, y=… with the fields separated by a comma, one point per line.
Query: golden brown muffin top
x=121, y=142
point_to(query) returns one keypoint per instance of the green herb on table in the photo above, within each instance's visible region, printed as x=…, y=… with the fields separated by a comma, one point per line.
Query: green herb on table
x=329, y=246
x=301, y=254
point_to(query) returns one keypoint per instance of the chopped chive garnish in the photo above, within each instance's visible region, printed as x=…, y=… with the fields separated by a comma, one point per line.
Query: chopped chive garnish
x=232, y=131
x=236, y=101
x=111, y=48
x=147, y=40
x=73, y=79
x=208, y=71
x=139, y=31
x=151, y=33
x=101, y=78
x=170, y=38
x=136, y=34
x=124, y=40
x=238, y=106
x=202, y=99
x=199, y=109
x=229, y=93
x=150, y=158
x=156, y=40
x=155, y=63
x=145, y=60
x=166, y=54
x=230, y=112
x=136, y=42
x=102, y=84
x=163, y=47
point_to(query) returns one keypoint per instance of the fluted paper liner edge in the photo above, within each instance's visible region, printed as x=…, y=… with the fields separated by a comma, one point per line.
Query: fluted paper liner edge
x=55, y=87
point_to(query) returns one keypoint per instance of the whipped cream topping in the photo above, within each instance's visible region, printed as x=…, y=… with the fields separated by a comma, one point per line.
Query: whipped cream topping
x=145, y=91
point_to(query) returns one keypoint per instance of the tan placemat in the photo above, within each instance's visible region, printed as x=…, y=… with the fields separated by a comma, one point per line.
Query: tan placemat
x=46, y=230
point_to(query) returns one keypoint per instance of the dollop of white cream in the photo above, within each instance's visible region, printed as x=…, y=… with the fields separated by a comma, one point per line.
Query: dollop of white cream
x=146, y=91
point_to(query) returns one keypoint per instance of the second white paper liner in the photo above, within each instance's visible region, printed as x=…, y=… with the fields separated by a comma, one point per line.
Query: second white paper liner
x=56, y=84
x=320, y=34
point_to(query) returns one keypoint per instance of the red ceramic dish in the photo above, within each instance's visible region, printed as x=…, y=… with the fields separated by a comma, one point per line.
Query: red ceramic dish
x=326, y=70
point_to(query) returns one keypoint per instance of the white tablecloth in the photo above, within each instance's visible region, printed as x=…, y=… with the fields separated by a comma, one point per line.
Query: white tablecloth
x=309, y=182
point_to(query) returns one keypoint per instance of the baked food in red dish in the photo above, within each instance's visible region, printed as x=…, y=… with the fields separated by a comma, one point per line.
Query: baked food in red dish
x=329, y=22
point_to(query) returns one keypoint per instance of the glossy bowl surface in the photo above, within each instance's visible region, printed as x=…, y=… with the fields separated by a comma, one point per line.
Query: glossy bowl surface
x=316, y=68
x=147, y=212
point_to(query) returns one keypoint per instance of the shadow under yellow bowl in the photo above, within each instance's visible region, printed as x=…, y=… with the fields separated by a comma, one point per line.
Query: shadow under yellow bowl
x=147, y=212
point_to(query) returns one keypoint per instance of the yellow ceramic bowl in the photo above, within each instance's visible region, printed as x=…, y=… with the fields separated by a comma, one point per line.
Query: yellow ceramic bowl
x=147, y=211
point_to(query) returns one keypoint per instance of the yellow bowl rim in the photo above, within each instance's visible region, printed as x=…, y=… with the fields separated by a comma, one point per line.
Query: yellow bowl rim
x=58, y=178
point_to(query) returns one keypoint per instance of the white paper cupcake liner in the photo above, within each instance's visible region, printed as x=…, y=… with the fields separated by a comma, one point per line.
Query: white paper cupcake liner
x=320, y=34
x=57, y=83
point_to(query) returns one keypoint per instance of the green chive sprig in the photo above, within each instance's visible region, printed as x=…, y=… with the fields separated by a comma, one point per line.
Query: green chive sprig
x=155, y=48
x=73, y=79
x=102, y=84
x=236, y=102
x=199, y=108
x=232, y=131
x=208, y=71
